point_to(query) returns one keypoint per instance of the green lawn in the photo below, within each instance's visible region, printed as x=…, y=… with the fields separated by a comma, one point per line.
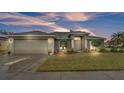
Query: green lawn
x=84, y=61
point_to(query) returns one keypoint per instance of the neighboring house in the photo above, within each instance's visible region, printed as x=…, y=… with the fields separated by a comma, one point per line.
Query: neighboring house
x=3, y=42
x=37, y=42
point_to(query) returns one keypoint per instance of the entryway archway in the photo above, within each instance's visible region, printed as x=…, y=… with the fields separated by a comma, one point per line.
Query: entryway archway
x=63, y=44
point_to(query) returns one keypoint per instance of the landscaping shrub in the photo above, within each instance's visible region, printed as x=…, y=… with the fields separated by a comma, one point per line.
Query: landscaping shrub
x=86, y=50
x=113, y=50
x=49, y=53
x=121, y=51
x=70, y=51
x=103, y=50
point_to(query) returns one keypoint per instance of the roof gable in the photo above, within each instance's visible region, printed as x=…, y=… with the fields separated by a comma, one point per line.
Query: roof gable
x=61, y=35
x=57, y=35
x=66, y=35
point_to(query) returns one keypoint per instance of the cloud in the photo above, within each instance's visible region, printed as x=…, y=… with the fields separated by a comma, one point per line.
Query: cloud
x=76, y=16
x=70, y=16
x=85, y=30
x=24, y=20
x=61, y=29
x=51, y=16
x=44, y=20
x=48, y=20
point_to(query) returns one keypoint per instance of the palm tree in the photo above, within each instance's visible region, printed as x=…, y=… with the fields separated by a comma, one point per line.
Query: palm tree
x=109, y=43
x=122, y=37
x=117, y=39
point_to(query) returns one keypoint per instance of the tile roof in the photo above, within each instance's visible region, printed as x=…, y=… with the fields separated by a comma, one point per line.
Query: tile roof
x=32, y=33
x=59, y=35
x=95, y=37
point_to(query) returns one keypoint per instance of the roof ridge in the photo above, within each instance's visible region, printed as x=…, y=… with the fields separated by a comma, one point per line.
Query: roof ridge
x=30, y=31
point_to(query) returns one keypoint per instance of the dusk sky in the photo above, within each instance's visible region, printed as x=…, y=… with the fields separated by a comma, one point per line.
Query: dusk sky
x=99, y=23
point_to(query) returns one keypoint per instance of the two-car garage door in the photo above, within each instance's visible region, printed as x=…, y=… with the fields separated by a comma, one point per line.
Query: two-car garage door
x=31, y=46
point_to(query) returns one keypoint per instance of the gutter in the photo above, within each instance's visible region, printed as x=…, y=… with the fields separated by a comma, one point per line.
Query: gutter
x=3, y=36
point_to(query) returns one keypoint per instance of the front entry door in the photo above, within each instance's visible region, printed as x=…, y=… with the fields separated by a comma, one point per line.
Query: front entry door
x=77, y=45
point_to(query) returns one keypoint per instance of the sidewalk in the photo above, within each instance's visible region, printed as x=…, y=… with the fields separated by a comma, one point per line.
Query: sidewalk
x=86, y=75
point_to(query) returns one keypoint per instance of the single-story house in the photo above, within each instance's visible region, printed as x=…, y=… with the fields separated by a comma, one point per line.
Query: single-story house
x=3, y=42
x=37, y=42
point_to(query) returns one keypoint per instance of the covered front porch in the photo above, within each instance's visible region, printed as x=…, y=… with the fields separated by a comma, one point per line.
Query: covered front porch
x=79, y=43
x=62, y=45
x=76, y=43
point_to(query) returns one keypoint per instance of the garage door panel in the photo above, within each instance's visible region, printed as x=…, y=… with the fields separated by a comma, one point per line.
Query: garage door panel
x=31, y=46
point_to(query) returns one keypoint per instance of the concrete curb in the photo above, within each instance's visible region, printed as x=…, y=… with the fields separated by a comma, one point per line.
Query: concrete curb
x=82, y=70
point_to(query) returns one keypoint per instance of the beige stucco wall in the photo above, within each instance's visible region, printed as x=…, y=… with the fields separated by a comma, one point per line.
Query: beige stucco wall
x=11, y=45
x=4, y=44
x=84, y=43
x=51, y=45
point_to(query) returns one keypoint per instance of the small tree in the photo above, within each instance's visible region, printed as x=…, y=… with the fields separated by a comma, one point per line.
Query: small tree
x=117, y=39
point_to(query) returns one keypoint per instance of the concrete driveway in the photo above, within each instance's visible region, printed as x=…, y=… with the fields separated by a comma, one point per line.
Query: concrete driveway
x=15, y=64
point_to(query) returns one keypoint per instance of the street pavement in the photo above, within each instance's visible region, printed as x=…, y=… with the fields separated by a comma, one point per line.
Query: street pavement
x=84, y=75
